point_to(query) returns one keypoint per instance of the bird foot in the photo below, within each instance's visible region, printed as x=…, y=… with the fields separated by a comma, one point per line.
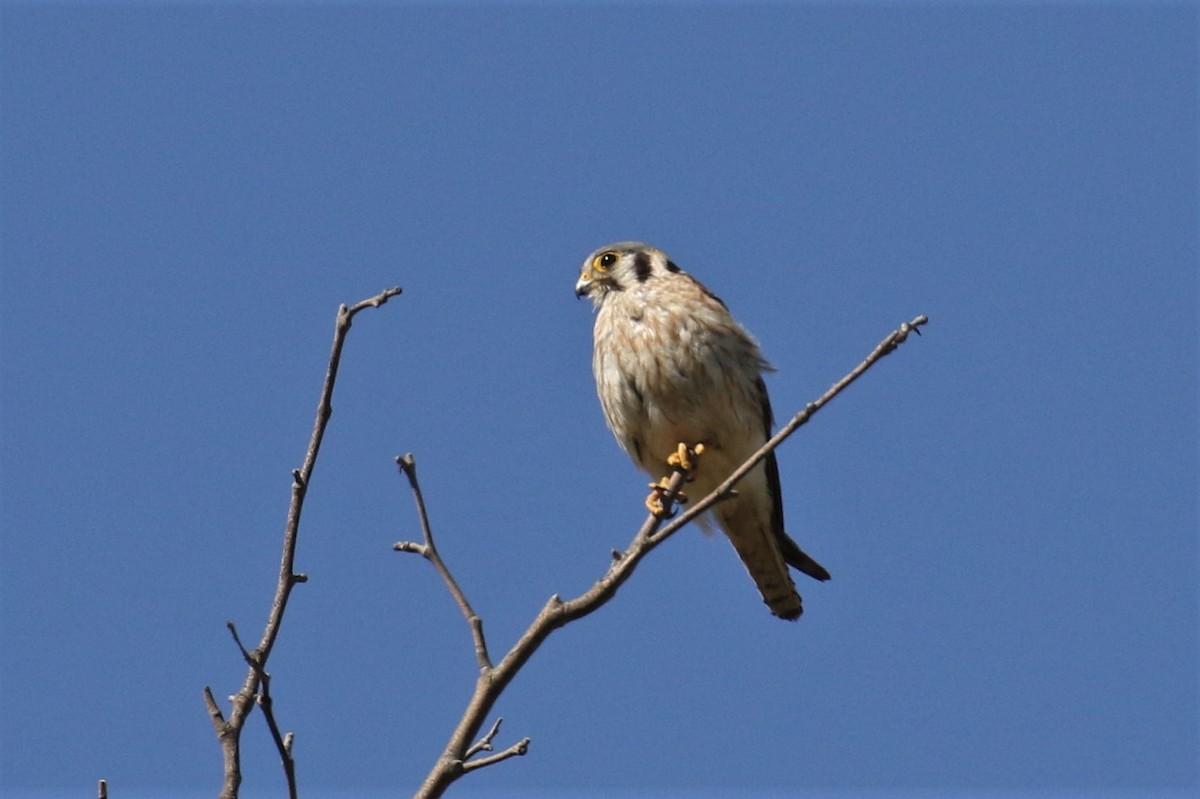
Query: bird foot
x=684, y=458
x=654, y=502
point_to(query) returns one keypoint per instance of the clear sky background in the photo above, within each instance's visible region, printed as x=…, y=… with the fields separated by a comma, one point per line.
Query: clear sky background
x=1008, y=504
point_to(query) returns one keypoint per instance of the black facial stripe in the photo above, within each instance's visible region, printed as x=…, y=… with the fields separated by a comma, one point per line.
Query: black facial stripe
x=641, y=266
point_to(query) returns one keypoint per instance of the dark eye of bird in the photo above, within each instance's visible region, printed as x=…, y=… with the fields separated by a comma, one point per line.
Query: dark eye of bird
x=608, y=259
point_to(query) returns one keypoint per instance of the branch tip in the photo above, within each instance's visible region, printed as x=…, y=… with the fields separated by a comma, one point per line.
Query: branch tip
x=376, y=301
x=428, y=550
x=229, y=733
x=484, y=744
x=516, y=750
x=237, y=639
x=214, y=710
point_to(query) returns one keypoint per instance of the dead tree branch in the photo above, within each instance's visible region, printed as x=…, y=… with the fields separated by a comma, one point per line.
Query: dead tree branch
x=455, y=760
x=254, y=688
x=428, y=550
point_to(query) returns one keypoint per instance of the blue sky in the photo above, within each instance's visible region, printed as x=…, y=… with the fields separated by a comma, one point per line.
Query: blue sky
x=1008, y=505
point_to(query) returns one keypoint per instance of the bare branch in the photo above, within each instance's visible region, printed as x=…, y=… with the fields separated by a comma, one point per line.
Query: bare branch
x=888, y=345
x=229, y=730
x=519, y=748
x=492, y=681
x=102, y=790
x=428, y=550
x=484, y=744
x=283, y=743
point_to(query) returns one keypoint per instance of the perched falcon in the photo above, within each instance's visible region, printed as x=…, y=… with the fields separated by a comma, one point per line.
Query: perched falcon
x=672, y=366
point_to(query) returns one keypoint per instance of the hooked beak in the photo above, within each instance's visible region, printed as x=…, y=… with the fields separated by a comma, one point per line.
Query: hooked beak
x=583, y=285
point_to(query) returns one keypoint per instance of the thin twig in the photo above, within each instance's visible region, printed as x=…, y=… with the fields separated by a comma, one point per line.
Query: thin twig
x=517, y=749
x=888, y=345
x=428, y=550
x=283, y=743
x=242, y=703
x=484, y=744
x=556, y=613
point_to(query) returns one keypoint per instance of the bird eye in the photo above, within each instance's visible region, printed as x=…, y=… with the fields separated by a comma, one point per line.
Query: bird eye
x=605, y=261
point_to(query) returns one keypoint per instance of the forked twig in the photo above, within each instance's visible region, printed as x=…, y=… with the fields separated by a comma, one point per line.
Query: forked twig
x=428, y=550
x=484, y=744
x=229, y=730
x=283, y=742
x=516, y=750
x=455, y=758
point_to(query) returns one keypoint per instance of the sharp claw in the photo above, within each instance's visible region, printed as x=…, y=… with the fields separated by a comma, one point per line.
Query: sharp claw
x=654, y=502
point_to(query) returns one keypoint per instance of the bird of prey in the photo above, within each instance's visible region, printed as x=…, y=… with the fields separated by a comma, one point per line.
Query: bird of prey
x=673, y=367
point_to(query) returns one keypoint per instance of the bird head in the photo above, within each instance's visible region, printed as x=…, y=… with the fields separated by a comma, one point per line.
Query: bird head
x=619, y=266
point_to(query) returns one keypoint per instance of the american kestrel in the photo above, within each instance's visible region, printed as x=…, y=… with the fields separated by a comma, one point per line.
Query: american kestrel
x=672, y=366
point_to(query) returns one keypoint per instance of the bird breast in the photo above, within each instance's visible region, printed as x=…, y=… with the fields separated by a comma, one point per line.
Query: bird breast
x=664, y=377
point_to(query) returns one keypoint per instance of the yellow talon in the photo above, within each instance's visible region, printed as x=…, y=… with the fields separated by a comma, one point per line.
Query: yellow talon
x=682, y=458
x=654, y=502
x=679, y=458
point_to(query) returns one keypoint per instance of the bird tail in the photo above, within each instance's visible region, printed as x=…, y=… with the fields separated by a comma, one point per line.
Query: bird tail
x=754, y=541
x=797, y=558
